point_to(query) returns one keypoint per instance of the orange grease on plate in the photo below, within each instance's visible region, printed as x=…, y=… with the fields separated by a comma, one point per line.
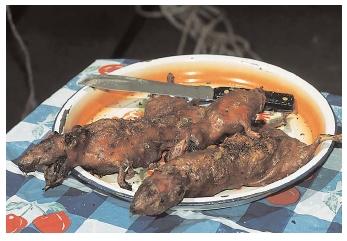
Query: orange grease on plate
x=86, y=110
x=133, y=115
x=238, y=76
x=150, y=172
x=191, y=73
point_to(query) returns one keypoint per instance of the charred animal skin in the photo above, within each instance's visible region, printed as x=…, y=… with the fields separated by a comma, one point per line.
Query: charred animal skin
x=239, y=161
x=170, y=125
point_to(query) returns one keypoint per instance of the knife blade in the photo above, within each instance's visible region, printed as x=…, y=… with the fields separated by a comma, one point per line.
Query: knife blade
x=275, y=101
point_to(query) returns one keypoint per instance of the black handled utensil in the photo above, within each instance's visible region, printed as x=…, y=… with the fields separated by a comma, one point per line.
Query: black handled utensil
x=280, y=102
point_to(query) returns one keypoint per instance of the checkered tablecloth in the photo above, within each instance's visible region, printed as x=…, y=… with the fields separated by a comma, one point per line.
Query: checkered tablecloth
x=314, y=205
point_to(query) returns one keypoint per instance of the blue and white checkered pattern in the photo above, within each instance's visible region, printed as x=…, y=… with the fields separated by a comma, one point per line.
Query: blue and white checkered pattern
x=318, y=209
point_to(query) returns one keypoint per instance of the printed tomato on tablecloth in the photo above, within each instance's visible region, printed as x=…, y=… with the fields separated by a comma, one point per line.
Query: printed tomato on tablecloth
x=109, y=68
x=15, y=223
x=284, y=198
x=46, y=217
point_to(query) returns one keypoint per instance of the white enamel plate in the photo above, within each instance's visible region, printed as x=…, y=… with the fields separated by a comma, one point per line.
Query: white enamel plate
x=314, y=115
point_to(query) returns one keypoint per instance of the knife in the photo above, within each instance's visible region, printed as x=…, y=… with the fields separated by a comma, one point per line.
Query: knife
x=275, y=101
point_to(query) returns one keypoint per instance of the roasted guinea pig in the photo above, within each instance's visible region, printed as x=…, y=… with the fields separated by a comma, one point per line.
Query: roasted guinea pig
x=239, y=161
x=170, y=126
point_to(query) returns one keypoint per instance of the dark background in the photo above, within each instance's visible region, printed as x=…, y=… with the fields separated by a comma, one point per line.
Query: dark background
x=63, y=40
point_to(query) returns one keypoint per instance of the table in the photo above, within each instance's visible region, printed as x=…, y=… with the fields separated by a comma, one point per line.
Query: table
x=313, y=205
